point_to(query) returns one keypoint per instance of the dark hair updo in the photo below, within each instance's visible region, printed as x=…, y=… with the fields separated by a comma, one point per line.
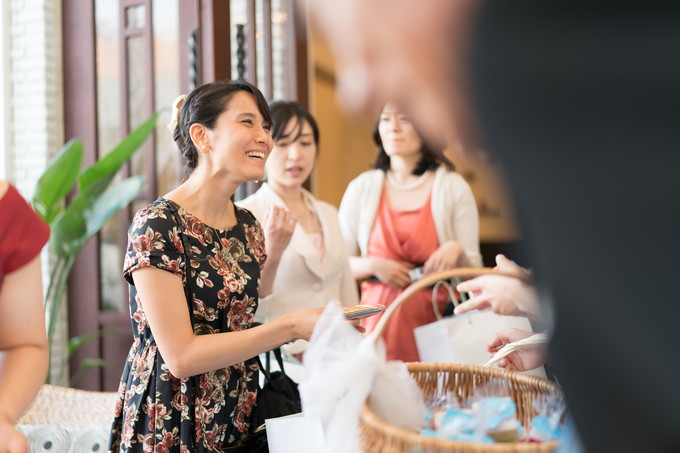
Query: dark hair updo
x=283, y=112
x=204, y=105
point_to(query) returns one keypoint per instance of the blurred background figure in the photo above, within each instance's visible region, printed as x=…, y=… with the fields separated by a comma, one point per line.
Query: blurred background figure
x=579, y=101
x=23, y=339
x=302, y=233
x=411, y=213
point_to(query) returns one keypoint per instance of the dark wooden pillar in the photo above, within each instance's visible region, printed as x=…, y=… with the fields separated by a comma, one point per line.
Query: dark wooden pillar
x=80, y=118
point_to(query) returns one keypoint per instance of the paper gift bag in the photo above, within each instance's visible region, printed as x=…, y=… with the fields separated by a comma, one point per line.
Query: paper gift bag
x=295, y=434
x=463, y=338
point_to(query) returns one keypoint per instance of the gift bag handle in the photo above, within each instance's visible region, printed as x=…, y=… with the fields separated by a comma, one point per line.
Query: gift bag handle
x=429, y=280
x=448, y=285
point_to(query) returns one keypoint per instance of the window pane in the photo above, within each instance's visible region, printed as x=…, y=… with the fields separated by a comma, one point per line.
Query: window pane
x=279, y=21
x=166, y=88
x=135, y=16
x=137, y=62
x=107, y=34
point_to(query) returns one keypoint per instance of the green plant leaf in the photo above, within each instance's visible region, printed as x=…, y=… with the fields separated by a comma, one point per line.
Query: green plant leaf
x=75, y=343
x=69, y=228
x=88, y=212
x=85, y=365
x=109, y=202
x=108, y=165
x=57, y=180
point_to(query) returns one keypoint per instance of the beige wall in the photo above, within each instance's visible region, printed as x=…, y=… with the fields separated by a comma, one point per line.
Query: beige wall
x=347, y=149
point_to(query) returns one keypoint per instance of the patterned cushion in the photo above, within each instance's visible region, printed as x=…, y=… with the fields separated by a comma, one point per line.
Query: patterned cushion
x=65, y=439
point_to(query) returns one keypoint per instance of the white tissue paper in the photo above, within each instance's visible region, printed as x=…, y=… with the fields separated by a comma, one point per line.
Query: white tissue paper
x=342, y=368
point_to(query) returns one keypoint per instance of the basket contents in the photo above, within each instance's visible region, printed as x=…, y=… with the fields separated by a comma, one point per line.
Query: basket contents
x=549, y=423
x=489, y=415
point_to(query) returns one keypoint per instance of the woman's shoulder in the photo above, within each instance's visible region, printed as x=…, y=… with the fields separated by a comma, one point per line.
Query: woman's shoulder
x=450, y=176
x=257, y=202
x=366, y=180
x=244, y=215
x=156, y=212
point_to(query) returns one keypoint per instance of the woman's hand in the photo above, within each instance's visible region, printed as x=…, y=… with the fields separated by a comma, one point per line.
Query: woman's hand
x=301, y=322
x=391, y=272
x=11, y=440
x=504, y=295
x=444, y=258
x=505, y=265
x=278, y=225
x=526, y=358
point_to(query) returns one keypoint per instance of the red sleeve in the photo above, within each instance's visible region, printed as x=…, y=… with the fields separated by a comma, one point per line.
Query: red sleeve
x=22, y=232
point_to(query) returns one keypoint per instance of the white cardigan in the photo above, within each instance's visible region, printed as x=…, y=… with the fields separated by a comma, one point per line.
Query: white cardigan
x=453, y=209
x=303, y=279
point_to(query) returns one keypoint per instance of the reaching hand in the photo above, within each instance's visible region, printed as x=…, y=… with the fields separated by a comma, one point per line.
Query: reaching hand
x=391, y=272
x=503, y=295
x=505, y=265
x=278, y=225
x=526, y=358
x=444, y=258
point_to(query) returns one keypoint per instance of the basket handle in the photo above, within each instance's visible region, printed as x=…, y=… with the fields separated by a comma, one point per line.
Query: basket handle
x=429, y=280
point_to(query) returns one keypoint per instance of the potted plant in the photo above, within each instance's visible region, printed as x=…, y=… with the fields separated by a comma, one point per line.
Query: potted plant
x=74, y=220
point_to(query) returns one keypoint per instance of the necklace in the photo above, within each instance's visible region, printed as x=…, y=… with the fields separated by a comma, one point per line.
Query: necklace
x=397, y=185
x=223, y=250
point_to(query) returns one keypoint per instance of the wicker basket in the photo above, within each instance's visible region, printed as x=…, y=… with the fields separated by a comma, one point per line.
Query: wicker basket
x=436, y=379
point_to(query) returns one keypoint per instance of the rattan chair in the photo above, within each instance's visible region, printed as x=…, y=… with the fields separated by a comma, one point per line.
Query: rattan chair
x=62, y=406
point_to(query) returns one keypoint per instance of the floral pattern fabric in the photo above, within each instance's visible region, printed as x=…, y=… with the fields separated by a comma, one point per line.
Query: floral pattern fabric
x=156, y=411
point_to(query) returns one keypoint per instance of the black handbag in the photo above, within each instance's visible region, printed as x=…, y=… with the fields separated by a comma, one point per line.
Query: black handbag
x=278, y=397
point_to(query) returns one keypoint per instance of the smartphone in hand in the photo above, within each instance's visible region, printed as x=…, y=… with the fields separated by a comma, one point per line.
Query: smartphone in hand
x=363, y=311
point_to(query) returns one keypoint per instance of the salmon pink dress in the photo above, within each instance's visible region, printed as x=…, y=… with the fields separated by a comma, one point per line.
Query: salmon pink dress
x=408, y=236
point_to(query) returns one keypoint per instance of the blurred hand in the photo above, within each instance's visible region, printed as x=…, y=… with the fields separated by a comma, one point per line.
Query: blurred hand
x=444, y=258
x=505, y=265
x=11, y=440
x=278, y=225
x=526, y=358
x=391, y=272
x=504, y=295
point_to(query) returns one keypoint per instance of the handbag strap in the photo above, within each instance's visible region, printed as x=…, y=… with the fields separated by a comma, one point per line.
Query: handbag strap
x=448, y=285
x=265, y=370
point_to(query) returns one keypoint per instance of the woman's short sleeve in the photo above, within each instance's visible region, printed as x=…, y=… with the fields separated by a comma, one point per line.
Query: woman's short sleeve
x=154, y=241
x=22, y=233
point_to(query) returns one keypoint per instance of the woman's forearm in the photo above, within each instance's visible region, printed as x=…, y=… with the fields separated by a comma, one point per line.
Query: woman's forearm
x=22, y=371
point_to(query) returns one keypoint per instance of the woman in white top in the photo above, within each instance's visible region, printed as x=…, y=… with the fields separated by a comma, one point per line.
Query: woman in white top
x=411, y=211
x=311, y=269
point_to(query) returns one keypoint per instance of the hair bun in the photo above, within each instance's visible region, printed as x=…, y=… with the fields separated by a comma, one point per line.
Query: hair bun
x=176, y=107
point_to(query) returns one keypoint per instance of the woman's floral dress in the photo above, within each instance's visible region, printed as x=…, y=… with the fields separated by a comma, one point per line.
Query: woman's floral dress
x=156, y=411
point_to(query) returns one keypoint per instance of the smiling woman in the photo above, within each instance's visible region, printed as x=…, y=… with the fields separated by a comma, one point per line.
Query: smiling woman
x=304, y=268
x=193, y=265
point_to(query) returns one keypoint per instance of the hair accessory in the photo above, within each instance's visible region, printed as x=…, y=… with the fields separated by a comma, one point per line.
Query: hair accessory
x=174, y=117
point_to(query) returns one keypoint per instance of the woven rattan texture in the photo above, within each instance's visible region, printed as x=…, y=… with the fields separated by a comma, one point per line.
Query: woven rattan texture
x=64, y=406
x=435, y=379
